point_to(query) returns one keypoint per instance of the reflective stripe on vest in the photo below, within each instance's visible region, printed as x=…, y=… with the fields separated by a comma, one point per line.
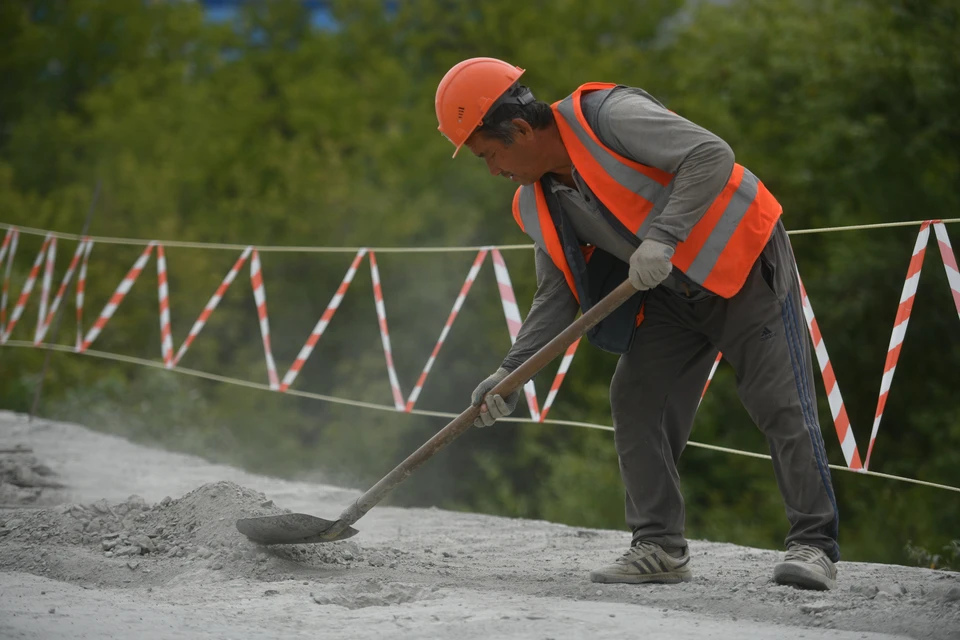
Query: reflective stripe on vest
x=721, y=248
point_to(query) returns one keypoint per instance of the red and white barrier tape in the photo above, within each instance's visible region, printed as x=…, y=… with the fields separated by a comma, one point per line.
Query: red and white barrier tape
x=45, y=288
x=44, y=326
x=260, y=297
x=457, y=305
x=507, y=296
x=212, y=304
x=558, y=379
x=27, y=289
x=949, y=262
x=904, y=310
x=713, y=371
x=81, y=292
x=838, y=410
x=324, y=321
x=7, y=250
x=163, y=295
x=121, y=292
x=385, y=333
x=512, y=313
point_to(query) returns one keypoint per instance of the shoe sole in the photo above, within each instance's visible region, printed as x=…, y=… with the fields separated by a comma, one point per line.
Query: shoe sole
x=656, y=578
x=798, y=576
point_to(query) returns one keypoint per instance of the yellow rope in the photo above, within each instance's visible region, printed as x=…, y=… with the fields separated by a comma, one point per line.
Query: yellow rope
x=297, y=249
x=436, y=414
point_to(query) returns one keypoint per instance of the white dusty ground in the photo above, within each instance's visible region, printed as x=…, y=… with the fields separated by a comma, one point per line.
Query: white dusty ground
x=104, y=565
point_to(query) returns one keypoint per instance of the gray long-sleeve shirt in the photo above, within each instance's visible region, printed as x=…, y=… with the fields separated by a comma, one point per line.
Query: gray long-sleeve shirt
x=635, y=125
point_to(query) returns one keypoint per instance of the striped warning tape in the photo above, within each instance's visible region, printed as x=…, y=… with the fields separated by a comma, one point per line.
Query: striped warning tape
x=508, y=300
x=121, y=292
x=81, y=292
x=512, y=314
x=558, y=379
x=385, y=333
x=838, y=410
x=457, y=305
x=324, y=321
x=260, y=297
x=46, y=320
x=904, y=309
x=713, y=371
x=212, y=304
x=949, y=262
x=163, y=295
x=46, y=286
x=27, y=289
x=7, y=250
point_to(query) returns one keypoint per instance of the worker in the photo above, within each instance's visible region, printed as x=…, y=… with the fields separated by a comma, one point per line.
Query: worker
x=613, y=185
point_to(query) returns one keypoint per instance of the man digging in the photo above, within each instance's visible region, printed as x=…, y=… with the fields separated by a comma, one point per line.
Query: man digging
x=614, y=185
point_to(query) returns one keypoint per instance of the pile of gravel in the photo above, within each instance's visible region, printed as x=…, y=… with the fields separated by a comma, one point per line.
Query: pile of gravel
x=194, y=532
x=25, y=481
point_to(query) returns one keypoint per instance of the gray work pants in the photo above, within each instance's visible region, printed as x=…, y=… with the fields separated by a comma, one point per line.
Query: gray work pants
x=657, y=385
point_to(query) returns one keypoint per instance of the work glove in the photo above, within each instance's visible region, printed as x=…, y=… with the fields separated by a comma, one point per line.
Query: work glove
x=493, y=407
x=650, y=264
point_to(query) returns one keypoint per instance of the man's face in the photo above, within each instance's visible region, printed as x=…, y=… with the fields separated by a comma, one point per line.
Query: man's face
x=520, y=161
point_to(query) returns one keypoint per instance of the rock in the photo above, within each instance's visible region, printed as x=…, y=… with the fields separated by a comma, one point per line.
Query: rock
x=52, y=610
x=129, y=550
x=867, y=591
x=144, y=542
x=274, y=592
x=133, y=564
x=167, y=500
x=952, y=594
x=107, y=545
x=101, y=506
x=376, y=560
x=816, y=607
x=893, y=589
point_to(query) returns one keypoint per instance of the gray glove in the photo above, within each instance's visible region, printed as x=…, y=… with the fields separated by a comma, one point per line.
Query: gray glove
x=492, y=408
x=650, y=264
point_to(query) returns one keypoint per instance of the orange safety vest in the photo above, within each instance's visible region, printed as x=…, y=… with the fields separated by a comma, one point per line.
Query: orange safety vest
x=720, y=249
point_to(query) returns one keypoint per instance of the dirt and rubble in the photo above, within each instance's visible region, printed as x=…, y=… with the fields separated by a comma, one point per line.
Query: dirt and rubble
x=144, y=545
x=25, y=481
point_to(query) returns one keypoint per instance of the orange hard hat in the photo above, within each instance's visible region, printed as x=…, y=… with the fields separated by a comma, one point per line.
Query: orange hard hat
x=468, y=91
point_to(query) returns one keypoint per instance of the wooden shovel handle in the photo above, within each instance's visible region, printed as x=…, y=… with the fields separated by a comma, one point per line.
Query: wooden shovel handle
x=516, y=379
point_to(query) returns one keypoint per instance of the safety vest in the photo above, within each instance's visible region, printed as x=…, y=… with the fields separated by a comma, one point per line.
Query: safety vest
x=717, y=254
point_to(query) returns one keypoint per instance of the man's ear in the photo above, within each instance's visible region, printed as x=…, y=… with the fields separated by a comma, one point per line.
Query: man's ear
x=523, y=129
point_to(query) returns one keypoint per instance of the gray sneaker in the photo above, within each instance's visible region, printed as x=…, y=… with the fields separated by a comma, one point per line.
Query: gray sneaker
x=646, y=562
x=806, y=567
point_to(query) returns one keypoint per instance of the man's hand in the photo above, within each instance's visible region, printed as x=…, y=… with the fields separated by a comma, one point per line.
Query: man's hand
x=494, y=407
x=650, y=264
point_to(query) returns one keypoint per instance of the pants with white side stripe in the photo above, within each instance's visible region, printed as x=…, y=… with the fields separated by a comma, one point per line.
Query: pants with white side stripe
x=656, y=388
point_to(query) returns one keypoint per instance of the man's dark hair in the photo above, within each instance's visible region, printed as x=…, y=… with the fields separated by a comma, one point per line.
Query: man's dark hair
x=517, y=102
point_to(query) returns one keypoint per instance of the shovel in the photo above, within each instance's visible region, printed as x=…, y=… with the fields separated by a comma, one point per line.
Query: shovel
x=300, y=528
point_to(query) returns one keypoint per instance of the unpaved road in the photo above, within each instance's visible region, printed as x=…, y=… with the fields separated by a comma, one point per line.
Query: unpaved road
x=75, y=571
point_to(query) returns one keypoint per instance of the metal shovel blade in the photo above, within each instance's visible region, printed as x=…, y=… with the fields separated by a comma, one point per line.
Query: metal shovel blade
x=290, y=528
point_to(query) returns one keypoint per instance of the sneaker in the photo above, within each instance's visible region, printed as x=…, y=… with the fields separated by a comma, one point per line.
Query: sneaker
x=806, y=567
x=645, y=562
